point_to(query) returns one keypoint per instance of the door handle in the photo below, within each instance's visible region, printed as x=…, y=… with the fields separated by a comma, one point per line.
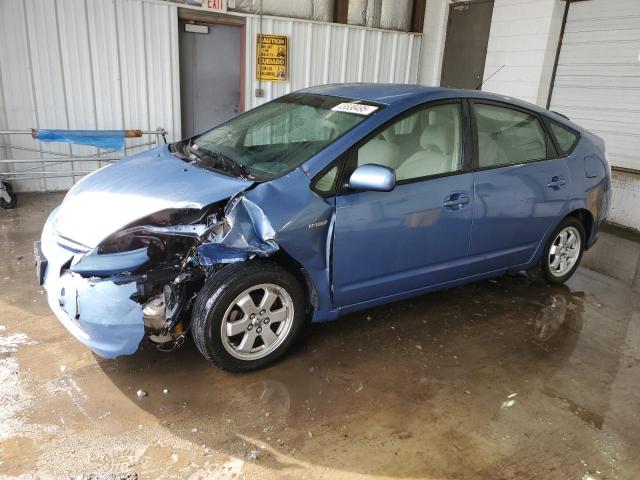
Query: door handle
x=556, y=182
x=456, y=201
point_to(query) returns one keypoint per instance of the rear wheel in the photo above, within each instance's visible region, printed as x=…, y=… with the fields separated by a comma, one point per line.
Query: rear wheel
x=247, y=315
x=562, y=254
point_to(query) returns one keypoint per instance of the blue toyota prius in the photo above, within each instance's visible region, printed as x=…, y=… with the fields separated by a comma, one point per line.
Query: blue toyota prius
x=324, y=201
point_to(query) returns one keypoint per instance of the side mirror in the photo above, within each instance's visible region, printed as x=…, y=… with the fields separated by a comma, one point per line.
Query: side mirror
x=373, y=177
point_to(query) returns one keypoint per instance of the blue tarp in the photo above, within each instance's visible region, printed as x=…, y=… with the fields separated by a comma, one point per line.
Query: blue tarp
x=107, y=139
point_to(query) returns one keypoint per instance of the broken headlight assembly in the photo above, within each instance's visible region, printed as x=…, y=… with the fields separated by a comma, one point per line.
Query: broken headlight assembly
x=155, y=231
x=160, y=248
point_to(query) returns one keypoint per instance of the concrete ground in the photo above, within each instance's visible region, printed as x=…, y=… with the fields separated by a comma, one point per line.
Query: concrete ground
x=503, y=379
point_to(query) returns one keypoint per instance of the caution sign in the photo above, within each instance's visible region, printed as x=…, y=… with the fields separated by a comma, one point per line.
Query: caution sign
x=272, y=58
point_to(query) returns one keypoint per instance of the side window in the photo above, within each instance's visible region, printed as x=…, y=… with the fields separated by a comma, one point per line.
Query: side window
x=325, y=183
x=507, y=136
x=565, y=137
x=425, y=143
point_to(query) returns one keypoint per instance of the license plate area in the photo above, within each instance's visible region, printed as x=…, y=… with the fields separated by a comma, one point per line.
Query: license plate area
x=68, y=301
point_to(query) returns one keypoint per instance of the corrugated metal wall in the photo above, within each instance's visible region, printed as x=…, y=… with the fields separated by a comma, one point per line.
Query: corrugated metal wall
x=112, y=64
x=322, y=53
x=85, y=64
x=597, y=83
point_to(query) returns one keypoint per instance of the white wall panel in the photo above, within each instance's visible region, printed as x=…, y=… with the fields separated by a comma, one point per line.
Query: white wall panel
x=321, y=53
x=47, y=76
x=598, y=86
x=523, y=38
x=75, y=50
x=86, y=64
x=625, y=200
x=105, y=63
x=433, y=40
x=598, y=78
x=133, y=65
x=17, y=86
x=161, y=34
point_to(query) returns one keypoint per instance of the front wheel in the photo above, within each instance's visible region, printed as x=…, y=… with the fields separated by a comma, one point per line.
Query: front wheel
x=247, y=315
x=562, y=253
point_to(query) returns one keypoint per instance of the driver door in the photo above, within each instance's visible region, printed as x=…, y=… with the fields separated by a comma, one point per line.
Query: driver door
x=417, y=235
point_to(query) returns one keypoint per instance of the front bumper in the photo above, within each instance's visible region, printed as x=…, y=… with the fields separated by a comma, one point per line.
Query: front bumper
x=98, y=312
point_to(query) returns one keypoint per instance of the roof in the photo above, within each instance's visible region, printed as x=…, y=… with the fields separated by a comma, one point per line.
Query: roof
x=386, y=93
x=396, y=93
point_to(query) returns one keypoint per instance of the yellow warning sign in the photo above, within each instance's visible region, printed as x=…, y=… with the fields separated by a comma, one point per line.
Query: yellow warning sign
x=272, y=58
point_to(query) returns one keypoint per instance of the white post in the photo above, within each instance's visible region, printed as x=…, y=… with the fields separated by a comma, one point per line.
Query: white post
x=432, y=50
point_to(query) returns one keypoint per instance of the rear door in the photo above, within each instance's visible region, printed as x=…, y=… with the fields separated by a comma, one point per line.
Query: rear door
x=520, y=186
x=416, y=235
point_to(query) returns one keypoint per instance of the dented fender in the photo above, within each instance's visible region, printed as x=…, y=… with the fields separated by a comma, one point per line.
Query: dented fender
x=283, y=214
x=99, y=297
x=303, y=223
x=247, y=232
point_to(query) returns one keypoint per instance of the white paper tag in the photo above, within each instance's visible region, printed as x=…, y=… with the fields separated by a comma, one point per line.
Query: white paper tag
x=356, y=108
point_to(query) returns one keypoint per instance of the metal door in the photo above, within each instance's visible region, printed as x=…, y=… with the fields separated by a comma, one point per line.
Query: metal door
x=209, y=75
x=598, y=75
x=466, y=44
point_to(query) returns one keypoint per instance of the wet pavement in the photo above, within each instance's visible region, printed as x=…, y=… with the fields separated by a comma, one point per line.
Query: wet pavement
x=503, y=379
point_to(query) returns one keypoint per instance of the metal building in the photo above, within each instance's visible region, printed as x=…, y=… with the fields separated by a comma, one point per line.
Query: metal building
x=115, y=64
x=83, y=64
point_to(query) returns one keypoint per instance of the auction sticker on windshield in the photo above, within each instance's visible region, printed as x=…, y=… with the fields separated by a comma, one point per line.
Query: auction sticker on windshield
x=357, y=108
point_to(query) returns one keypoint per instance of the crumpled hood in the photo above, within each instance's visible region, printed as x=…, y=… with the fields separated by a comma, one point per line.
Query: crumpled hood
x=135, y=187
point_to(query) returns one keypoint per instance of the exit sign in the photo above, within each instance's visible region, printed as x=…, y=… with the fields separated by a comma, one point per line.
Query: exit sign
x=215, y=5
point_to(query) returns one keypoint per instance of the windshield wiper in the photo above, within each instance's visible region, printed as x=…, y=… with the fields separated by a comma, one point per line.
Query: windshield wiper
x=193, y=153
x=235, y=166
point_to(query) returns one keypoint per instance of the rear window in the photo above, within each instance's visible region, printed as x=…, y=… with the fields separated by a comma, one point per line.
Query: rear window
x=565, y=138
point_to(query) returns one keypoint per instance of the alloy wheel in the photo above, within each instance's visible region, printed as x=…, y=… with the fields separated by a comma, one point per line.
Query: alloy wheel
x=564, y=251
x=257, y=321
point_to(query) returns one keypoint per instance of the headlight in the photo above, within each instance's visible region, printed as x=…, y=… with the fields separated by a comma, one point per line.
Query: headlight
x=130, y=239
x=157, y=232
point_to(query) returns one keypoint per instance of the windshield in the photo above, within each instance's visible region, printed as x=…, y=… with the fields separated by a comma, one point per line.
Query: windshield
x=273, y=139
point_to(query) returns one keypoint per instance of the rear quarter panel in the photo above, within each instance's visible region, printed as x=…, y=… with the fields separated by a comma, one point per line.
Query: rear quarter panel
x=591, y=183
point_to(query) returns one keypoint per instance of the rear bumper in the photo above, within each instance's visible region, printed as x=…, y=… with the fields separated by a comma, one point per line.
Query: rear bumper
x=97, y=312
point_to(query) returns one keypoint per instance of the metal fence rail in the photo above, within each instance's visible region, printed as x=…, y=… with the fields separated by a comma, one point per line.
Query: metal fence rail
x=44, y=159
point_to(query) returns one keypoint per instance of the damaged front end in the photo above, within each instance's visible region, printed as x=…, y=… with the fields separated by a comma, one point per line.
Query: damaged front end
x=142, y=280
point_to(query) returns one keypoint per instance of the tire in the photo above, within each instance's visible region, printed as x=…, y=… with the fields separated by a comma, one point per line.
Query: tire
x=218, y=303
x=13, y=198
x=544, y=271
